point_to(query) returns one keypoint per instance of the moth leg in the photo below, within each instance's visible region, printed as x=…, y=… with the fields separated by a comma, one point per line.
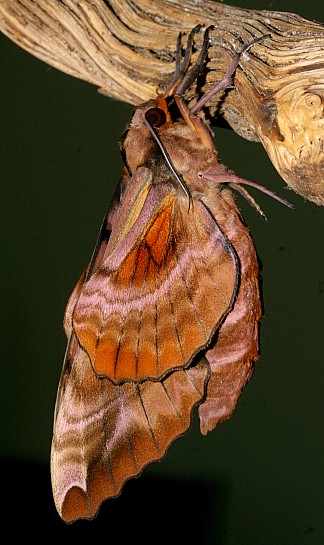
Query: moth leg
x=191, y=75
x=195, y=122
x=183, y=77
x=228, y=76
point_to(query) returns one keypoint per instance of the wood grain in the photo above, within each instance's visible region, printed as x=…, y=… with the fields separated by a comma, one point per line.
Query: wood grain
x=127, y=50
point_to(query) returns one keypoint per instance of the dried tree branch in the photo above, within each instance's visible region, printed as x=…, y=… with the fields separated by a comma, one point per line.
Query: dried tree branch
x=126, y=48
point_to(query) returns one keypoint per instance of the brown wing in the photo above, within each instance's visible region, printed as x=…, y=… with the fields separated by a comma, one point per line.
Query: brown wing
x=232, y=356
x=168, y=279
x=106, y=433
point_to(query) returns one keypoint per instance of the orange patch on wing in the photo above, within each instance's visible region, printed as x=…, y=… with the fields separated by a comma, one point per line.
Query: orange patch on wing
x=151, y=275
x=126, y=363
x=142, y=262
x=105, y=359
x=147, y=348
x=157, y=237
x=88, y=340
x=125, y=272
x=149, y=252
x=146, y=364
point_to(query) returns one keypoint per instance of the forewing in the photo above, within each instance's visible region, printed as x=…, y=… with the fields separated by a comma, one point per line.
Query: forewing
x=160, y=294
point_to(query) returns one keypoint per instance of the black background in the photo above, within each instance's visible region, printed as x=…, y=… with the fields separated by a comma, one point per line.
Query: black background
x=257, y=479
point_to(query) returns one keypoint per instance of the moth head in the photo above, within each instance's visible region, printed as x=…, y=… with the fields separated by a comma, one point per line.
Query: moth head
x=136, y=143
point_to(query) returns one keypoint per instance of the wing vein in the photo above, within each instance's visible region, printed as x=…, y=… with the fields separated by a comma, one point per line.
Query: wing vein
x=138, y=387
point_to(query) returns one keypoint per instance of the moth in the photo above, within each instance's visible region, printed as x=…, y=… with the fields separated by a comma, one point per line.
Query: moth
x=166, y=315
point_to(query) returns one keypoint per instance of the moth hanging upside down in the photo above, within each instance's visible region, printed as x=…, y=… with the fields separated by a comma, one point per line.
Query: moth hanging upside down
x=166, y=315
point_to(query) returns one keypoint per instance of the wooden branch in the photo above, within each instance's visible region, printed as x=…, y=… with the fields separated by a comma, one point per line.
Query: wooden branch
x=126, y=48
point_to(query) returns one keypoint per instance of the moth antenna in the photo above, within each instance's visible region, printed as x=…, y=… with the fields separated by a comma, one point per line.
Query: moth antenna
x=168, y=160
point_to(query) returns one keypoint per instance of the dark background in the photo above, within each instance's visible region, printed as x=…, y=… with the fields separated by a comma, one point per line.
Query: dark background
x=257, y=479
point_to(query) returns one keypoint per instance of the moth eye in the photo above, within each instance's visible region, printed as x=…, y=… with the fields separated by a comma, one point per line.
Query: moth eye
x=155, y=116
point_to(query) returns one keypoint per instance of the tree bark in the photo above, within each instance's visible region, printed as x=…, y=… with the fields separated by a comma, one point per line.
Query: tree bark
x=127, y=47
